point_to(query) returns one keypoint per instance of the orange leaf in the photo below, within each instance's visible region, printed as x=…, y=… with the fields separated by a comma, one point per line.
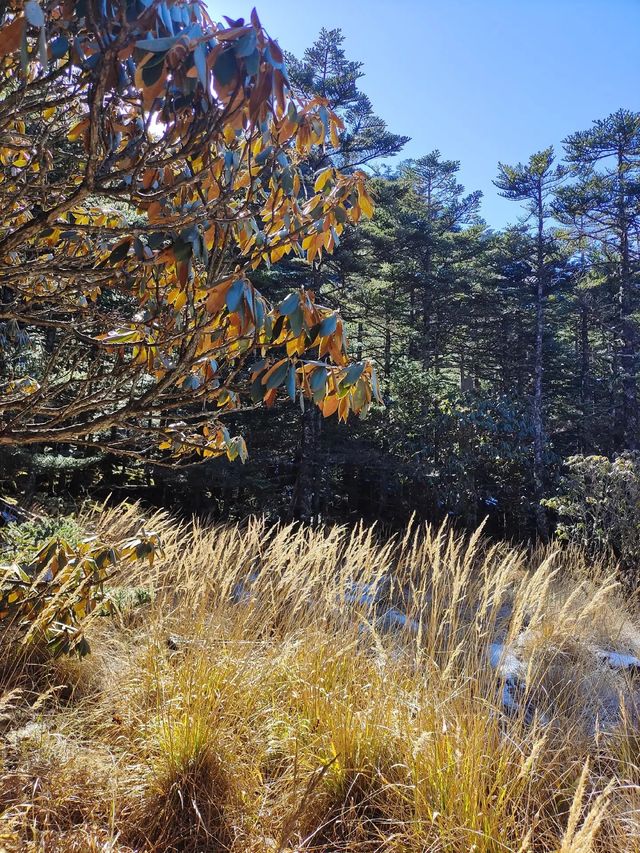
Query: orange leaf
x=232, y=33
x=364, y=199
x=330, y=405
x=10, y=36
x=276, y=51
x=154, y=211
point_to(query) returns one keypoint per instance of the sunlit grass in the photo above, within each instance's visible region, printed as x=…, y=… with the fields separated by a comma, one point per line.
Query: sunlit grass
x=255, y=700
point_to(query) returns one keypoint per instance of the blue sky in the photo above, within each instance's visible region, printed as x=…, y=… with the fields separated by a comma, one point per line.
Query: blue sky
x=482, y=80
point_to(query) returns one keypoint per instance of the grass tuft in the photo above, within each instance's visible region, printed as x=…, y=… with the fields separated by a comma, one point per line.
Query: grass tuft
x=288, y=689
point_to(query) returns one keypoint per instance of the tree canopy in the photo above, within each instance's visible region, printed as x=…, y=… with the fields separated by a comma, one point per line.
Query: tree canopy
x=151, y=160
x=178, y=251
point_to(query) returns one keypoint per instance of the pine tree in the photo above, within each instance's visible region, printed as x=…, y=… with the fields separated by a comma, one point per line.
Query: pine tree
x=324, y=71
x=534, y=184
x=602, y=205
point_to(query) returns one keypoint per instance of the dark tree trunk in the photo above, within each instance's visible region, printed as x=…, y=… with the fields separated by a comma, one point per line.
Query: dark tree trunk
x=427, y=344
x=412, y=320
x=305, y=492
x=538, y=422
x=585, y=385
x=628, y=336
x=387, y=346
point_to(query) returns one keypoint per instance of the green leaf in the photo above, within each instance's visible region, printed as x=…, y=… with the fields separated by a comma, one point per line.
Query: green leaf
x=277, y=377
x=341, y=214
x=120, y=252
x=151, y=73
x=182, y=249
x=246, y=45
x=318, y=384
x=296, y=321
x=257, y=389
x=258, y=312
x=200, y=61
x=375, y=388
x=328, y=326
x=242, y=449
x=59, y=47
x=352, y=375
x=289, y=305
x=264, y=155
x=34, y=14
x=24, y=52
x=291, y=382
x=252, y=63
x=159, y=45
x=42, y=48
x=277, y=328
x=234, y=295
x=225, y=67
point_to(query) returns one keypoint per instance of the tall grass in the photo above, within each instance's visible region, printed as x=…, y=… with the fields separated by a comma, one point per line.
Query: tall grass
x=255, y=698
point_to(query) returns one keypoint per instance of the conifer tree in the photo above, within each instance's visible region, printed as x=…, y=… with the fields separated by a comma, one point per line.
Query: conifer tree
x=602, y=206
x=534, y=184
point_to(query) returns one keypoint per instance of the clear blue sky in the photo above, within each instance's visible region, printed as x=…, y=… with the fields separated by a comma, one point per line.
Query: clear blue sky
x=482, y=80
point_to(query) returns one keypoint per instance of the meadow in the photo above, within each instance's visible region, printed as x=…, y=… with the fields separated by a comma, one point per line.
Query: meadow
x=297, y=689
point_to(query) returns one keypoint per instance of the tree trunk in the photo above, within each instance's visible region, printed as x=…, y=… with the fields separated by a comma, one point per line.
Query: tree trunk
x=305, y=496
x=427, y=345
x=387, y=345
x=627, y=324
x=538, y=422
x=585, y=359
x=412, y=319
x=306, y=485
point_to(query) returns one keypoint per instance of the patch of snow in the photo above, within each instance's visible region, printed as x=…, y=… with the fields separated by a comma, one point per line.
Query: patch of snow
x=241, y=593
x=618, y=660
x=503, y=659
x=362, y=594
x=393, y=619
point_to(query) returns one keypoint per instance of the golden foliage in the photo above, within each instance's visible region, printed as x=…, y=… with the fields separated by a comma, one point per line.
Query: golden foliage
x=151, y=160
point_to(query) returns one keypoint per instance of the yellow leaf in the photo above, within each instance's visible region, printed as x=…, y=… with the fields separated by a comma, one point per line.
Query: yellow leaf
x=77, y=130
x=366, y=205
x=322, y=179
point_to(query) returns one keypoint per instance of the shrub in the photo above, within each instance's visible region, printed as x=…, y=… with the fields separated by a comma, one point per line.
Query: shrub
x=21, y=542
x=599, y=506
x=52, y=596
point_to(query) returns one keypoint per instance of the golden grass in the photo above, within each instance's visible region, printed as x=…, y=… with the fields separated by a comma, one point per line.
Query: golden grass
x=256, y=704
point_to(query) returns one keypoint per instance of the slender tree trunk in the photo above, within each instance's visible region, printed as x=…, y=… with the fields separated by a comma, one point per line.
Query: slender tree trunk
x=585, y=366
x=627, y=325
x=387, y=346
x=538, y=417
x=304, y=492
x=615, y=439
x=306, y=483
x=412, y=319
x=426, y=313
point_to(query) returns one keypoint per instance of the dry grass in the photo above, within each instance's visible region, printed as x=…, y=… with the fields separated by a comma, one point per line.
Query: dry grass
x=257, y=704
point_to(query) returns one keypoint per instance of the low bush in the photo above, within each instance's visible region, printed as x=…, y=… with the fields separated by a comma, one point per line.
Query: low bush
x=598, y=507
